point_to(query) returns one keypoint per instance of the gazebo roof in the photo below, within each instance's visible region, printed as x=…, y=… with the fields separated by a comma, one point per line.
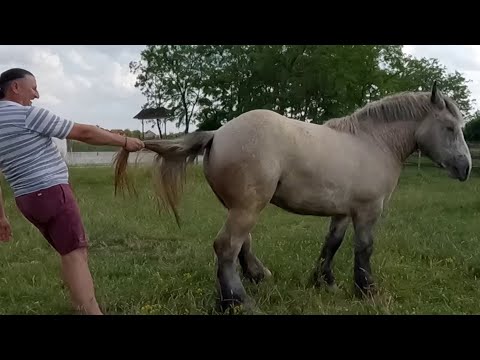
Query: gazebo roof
x=153, y=113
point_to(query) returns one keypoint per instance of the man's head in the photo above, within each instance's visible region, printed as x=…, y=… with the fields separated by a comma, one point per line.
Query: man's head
x=18, y=85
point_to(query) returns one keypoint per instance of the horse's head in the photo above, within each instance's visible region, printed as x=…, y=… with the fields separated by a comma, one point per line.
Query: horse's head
x=440, y=137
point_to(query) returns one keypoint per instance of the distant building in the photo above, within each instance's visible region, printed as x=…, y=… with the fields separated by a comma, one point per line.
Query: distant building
x=149, y=135
x=118, y=131
x=153, y=114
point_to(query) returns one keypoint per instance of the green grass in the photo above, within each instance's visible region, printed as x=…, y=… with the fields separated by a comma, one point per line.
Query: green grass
x=426, y=256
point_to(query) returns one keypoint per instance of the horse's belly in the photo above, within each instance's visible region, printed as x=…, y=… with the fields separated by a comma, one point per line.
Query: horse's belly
x=311, y=200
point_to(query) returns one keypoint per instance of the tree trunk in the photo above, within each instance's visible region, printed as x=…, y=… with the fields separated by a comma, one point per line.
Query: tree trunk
x=159, y=128
x=419, y=159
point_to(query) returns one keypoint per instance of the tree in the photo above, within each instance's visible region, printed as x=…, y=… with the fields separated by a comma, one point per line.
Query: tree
x=171, y=76
x=411, y=74
x=214, y=84
x=472, y=128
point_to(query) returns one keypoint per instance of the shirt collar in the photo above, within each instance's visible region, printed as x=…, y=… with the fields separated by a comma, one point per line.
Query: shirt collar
x=4, y=103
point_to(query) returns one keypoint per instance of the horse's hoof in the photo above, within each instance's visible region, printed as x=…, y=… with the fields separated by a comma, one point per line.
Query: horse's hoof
x=365, y=292
x=227, y=305
x=257, y=274
x=332, y=288
x=235, y=306
x=317, y=280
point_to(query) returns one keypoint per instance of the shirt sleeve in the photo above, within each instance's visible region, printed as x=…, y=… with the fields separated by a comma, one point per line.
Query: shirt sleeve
x=47, y=123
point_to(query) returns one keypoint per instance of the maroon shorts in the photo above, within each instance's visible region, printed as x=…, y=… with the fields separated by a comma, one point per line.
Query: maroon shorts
x=54, y=211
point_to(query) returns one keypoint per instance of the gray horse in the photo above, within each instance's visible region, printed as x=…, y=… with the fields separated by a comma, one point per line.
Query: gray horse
x=345, y=169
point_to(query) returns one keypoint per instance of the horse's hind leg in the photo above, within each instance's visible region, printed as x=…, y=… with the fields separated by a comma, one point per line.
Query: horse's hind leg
x=227, y=247
x=333, y=240
x=252, y=267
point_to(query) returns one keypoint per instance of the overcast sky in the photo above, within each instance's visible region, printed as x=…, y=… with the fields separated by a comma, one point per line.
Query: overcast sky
x=92, y=83
x=462, y=58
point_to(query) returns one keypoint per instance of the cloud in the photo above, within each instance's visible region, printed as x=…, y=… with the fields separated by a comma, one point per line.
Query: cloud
x=76, y=58
x=87, y=84
x=82, y=81
x=49, y=101
x=123, y=79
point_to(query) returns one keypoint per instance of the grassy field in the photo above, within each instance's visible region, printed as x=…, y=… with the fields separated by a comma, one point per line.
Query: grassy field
x=426, y=257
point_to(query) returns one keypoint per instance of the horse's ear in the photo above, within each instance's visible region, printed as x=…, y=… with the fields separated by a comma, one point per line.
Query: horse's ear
x=434, y=92
x=436, y=96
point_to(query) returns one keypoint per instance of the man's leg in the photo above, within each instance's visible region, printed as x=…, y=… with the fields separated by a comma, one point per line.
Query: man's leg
x=70, y=241
x=76, y=274
x=55, y=212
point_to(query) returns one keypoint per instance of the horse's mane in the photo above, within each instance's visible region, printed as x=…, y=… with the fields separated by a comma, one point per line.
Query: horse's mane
x=397, y=107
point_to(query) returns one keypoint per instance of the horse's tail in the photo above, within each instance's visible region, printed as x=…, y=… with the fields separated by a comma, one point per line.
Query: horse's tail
x=169, y=175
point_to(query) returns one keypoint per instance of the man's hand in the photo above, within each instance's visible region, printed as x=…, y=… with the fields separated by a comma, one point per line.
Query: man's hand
x=133, y=144
x=5, y=229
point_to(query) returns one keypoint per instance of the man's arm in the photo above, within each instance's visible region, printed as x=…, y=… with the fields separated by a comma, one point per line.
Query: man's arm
x=47, y=123
x=95, y=136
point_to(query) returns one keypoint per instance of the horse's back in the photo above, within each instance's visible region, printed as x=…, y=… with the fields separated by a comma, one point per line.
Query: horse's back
x=268, y=144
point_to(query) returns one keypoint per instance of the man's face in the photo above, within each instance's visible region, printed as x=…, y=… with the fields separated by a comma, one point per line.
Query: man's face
x=25, y=90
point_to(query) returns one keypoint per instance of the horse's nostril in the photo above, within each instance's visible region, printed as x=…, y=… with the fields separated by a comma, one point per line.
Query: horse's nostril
x=463, y=170
x=460, y=167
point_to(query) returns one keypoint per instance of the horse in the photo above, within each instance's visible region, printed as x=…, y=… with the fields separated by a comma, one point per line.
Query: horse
x=346, y=169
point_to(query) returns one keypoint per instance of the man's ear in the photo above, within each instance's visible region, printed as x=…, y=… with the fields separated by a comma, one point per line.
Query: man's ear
x=15, y=86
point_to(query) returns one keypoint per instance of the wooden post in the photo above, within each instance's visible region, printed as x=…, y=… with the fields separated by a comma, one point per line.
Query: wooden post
x=419, y=159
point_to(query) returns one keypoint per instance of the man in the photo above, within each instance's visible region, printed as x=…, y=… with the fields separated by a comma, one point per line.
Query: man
x=38, y=176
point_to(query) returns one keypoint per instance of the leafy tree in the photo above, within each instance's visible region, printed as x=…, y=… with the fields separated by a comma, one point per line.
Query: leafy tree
x=214, y=84
x=472, y=128
x=171, y=76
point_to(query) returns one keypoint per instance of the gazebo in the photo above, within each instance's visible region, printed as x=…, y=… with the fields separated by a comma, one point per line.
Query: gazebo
x=152, y=114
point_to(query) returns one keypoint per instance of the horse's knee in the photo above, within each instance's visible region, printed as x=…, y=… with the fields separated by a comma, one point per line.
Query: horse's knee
x=235, y=233
x=227, y=247
x=221, y=245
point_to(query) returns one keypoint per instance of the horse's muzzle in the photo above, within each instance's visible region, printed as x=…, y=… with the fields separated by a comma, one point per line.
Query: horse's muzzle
x=460, y=167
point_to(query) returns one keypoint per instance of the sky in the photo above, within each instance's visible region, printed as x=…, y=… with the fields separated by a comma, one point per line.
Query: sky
x=462, y=58
x=92, y=84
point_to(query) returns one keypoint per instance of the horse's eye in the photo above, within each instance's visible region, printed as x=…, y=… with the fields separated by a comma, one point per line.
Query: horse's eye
x=450, y=128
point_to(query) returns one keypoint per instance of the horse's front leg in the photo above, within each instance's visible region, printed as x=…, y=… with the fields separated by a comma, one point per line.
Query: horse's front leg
x=364, y=222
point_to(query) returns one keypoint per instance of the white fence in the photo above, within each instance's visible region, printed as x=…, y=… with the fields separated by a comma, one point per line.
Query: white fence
x=106, y=158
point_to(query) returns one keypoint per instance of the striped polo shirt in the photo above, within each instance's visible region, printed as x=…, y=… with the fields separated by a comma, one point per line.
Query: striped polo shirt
x=29, y=159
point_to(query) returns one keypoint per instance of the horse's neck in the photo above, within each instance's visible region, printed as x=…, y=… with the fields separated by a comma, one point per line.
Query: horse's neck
x=398, y=138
